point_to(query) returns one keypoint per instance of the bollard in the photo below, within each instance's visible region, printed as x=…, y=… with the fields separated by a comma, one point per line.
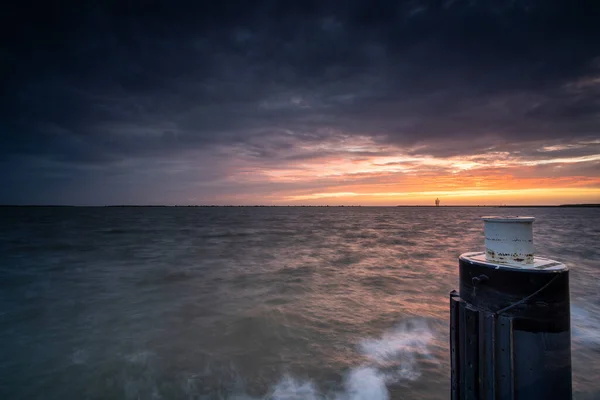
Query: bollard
x=510, y=323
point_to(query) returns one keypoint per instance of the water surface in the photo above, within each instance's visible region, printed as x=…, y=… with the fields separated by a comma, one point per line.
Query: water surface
x=255, y=303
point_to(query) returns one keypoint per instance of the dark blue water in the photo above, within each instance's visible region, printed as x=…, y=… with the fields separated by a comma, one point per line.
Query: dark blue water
x=253, y=303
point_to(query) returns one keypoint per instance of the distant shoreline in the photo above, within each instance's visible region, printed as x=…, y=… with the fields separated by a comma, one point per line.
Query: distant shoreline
x=293, y=206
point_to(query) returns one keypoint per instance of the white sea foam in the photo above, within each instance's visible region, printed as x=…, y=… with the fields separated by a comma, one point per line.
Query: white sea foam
x=289, y=388
x=390, y=358
x=364, y=383
x=396, y=350
x=361, y=383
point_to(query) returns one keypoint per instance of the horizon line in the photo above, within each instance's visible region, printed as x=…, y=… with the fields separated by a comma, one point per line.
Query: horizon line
x=303, y=206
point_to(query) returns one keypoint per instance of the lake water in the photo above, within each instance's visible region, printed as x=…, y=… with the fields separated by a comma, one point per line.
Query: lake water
x=256, y=303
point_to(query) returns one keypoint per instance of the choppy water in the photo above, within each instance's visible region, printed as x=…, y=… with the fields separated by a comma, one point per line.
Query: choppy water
x=255, y=303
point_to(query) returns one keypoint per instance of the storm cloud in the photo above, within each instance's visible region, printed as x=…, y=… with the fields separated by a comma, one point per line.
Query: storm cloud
x=211, y=102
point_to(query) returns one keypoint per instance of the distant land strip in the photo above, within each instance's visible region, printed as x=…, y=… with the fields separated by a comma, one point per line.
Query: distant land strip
x=296, y=206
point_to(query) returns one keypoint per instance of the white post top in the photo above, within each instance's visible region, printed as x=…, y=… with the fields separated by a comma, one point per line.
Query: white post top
x=509, y=240
x=509, y=244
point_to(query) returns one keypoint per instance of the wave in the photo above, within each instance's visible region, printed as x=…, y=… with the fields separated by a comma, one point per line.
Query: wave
x=396, y=351
x=362, y=383
x=391, y=359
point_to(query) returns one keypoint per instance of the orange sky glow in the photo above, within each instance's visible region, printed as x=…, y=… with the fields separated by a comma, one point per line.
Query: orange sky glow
x=352, y=172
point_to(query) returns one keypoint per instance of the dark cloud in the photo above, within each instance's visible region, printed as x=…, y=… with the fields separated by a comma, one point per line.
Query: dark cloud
x=98, y=84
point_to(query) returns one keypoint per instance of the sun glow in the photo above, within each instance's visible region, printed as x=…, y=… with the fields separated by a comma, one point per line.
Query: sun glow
x=360, y=171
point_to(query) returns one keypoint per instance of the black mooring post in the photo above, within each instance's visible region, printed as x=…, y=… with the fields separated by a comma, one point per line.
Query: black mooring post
x=510, y=334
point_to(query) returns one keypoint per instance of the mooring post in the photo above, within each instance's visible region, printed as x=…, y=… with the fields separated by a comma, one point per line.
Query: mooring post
x=510, y=322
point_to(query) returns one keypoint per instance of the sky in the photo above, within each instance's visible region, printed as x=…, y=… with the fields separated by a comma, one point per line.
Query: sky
x=300, y=102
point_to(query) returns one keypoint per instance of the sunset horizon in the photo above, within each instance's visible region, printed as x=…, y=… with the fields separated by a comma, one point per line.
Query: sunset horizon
x=381, y=104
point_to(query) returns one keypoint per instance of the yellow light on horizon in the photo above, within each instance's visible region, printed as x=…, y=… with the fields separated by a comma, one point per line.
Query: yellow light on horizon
x=458, y=197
